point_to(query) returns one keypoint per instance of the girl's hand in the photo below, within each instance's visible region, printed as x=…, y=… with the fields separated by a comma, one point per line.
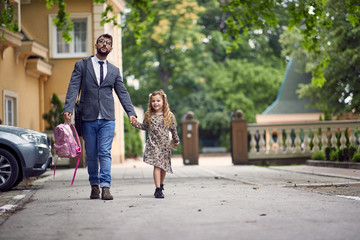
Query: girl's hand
x=173, y=145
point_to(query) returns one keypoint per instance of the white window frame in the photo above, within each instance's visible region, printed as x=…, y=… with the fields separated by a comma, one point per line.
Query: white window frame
x=53, y=38
x=13, y=97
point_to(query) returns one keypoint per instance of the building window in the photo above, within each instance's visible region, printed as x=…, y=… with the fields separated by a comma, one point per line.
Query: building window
x=10, y=107
x=80, y=46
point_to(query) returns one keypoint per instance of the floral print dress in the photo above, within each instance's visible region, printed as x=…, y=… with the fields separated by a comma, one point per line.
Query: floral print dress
x=157, y=150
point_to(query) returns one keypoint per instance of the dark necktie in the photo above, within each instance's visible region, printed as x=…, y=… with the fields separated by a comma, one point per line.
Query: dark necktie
x=101, y=72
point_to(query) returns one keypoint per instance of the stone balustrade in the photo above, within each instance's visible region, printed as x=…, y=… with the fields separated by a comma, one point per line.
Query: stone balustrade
x=281, y=141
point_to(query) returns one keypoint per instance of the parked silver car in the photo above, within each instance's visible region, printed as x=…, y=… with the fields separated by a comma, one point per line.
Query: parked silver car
x=24, y=153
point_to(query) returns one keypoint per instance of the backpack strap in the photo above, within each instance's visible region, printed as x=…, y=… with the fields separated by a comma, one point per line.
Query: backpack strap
x=79, y=151
x=55, y=167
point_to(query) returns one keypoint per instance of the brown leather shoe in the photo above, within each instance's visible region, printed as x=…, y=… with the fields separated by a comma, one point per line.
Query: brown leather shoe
x=105, y=194
x=95, y=192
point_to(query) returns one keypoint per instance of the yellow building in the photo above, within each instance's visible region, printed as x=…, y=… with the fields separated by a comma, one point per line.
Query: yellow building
x=36, y=62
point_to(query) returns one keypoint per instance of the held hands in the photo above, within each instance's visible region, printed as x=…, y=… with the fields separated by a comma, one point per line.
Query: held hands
x=133, y=121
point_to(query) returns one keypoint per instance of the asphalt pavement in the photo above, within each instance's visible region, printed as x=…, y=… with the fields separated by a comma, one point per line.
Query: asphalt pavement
x=212, y=200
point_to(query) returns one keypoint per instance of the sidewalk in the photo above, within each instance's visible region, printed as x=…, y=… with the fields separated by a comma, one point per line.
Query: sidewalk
x=210, y=201
x=209, y=166
x=226, y=161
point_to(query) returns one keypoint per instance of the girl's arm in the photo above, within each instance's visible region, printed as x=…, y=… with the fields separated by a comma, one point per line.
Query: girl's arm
x=142, y=126
x=175, y=136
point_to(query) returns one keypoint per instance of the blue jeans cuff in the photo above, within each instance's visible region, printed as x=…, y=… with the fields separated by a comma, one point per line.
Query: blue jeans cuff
x=105, y=184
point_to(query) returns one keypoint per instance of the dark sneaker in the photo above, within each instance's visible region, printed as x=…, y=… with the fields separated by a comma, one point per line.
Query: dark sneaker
x=105, y=194
x=158, y=193
x=95, y=192
x=162, y=187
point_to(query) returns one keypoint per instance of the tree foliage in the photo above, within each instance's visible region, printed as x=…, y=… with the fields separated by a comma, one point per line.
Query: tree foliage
x=339, y=49
x=133, y=143
x=7, y=19
x=62, y=20
x=237, y=20
x=169, y=37
x=239, y=84
x=55, y=116
x=186, y=55
x=307, y=15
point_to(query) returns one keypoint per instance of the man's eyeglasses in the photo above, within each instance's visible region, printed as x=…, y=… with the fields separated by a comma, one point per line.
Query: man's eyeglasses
x=102, y=41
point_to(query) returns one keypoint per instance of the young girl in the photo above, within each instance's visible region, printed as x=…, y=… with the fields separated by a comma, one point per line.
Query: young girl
x=159, y=120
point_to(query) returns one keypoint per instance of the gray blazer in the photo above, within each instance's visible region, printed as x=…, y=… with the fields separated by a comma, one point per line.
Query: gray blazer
x=95, y=98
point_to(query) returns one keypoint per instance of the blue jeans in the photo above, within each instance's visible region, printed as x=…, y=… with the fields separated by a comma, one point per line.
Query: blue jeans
x=98, y=136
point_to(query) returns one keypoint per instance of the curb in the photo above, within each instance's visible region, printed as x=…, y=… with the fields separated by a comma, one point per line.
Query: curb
x=319, y=174
x=351, y=165
x=16, y=203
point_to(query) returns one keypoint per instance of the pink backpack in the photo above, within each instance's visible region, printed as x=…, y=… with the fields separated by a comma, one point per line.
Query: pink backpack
x=66, y=145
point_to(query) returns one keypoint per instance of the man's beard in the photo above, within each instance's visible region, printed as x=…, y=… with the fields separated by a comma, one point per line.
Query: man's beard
x=103, y=54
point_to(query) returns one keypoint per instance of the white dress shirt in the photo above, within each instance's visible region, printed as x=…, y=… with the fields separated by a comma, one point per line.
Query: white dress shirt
x=96, y=65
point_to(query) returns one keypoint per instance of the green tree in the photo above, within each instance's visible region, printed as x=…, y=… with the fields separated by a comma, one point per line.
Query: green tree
x=195, y=83
x=310, y=15
x=239, y=84
x=340, y=46
x=133, y=143
x=169, y=37
x=239, y=17
x=173, y=56
x=55, y=116
x=213, y=117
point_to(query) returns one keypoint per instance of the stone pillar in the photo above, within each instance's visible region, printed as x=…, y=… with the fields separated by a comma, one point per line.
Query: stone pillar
x=239, y=139
x=190, y=138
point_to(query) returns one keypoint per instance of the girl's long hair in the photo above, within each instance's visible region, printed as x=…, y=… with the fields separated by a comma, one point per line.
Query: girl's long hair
x=168, y=115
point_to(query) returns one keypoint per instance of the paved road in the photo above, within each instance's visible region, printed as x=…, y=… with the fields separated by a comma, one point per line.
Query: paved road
x=214, y=200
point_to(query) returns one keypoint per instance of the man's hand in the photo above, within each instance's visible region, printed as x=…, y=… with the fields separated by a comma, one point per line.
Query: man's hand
x=67, y=115
x=133, y=120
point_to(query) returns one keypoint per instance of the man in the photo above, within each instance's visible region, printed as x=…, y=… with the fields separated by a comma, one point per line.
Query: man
x=97, y=107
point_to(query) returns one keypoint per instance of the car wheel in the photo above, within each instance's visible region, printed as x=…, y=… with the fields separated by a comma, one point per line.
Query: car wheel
x=18, y=180
x=9, y=170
